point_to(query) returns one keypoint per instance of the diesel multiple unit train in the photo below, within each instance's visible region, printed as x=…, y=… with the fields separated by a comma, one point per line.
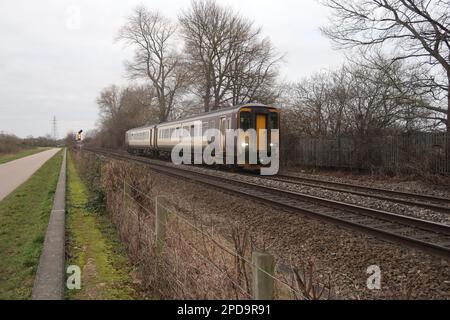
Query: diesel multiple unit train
x=156, y=140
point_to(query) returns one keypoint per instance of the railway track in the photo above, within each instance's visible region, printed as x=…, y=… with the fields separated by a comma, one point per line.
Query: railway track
x=438, y=204
x=430, y=237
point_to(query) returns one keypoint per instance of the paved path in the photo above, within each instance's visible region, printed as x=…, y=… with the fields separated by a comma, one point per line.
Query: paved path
x=14, y=173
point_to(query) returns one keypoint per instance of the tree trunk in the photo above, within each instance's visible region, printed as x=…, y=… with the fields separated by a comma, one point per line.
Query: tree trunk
x=207, y=97
x=448, y=103
x=448, y=121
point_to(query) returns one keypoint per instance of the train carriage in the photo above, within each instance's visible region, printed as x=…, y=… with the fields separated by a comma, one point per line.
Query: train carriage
x=157, y=139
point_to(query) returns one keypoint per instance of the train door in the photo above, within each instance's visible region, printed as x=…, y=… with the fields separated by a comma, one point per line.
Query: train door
x=150, y=137
x=261, y=124
x=223, y=127
x=192, y=136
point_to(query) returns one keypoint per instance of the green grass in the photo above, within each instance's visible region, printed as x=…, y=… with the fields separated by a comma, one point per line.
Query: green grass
x=25, y=153
x=24, y=218
x=94, y=246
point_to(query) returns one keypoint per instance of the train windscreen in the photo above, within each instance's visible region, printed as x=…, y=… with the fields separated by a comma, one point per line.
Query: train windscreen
x=246, y=120
x=273, y=120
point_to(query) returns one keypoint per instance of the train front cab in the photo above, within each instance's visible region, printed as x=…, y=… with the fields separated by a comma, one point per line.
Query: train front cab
x=259, y=118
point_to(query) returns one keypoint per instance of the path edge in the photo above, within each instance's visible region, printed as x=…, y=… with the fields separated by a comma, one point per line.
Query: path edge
x=49, y=281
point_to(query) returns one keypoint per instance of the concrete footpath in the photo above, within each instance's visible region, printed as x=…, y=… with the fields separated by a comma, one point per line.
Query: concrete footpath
x=14, y=173
x=49, y=281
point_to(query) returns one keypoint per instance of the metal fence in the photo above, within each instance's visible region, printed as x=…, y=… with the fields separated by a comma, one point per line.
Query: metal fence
x=408, y=153
x=197, y=262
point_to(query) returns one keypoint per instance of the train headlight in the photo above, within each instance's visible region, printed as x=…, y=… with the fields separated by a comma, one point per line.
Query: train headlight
x=244, y=144
x=271, y=144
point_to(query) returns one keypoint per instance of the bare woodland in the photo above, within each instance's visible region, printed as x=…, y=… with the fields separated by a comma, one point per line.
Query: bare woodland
x=396, y=79
x=10, y=143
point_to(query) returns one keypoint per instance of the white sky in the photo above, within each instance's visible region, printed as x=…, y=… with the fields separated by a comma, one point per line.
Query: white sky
x=50, y=66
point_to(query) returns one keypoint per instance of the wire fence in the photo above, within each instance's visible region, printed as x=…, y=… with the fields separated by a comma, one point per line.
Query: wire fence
x=199, y=263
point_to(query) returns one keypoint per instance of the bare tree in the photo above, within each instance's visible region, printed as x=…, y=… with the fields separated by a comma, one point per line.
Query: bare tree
x=109, y=103
x=9, y=143
x=253, y=78
x=122, y=109
x=156, y=57
x=312, y=101
x=227, y=57
x=417, y=29
x=359, y=99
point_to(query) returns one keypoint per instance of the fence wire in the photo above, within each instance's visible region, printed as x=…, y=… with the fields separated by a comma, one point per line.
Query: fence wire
x=222, y=247
x=183, y=239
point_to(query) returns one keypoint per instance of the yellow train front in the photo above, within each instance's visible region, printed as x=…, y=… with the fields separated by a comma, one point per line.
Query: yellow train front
x=161, y=139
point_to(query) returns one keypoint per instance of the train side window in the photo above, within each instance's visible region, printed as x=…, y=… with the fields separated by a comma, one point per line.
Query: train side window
x=245, y=120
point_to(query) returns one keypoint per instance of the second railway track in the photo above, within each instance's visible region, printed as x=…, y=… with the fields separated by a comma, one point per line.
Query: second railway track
x=424, y=235
x=438, y=204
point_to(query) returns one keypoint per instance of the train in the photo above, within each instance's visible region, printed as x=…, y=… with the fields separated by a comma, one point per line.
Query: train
x=157, y=140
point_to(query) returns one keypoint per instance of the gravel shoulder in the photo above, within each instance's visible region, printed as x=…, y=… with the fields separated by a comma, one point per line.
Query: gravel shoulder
x=397, y=183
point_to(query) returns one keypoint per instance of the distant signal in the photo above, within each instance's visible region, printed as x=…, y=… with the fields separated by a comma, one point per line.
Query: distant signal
x=78, y=136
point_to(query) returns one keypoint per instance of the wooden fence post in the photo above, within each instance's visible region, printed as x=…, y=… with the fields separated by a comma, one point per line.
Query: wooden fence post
x=263, y=276
x=160, y=223
x=126, y=192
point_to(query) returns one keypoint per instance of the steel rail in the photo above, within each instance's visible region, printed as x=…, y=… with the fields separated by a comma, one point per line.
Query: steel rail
x=429, y=235
x=346, y=188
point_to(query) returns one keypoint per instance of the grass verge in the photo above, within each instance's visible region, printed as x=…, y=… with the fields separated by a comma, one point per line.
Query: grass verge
x=24, y=218
x=25, y=153
x=94, y=246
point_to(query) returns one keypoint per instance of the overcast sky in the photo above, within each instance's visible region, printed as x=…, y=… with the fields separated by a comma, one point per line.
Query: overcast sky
x=53, y=64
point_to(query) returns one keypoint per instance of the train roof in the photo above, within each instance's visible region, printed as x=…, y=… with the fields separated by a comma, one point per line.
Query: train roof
x=222, y=110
